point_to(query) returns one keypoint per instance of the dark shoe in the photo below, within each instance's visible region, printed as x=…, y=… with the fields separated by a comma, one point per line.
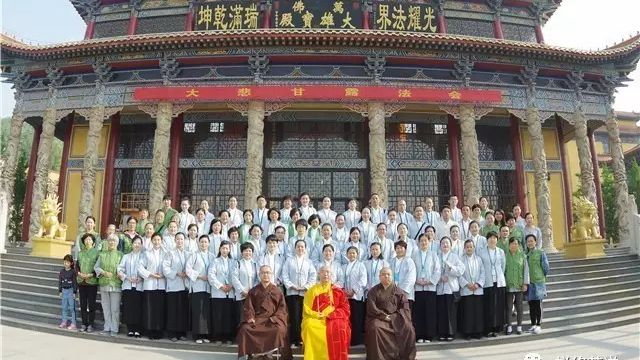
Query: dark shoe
x=183, y=338
x=137, y=335
x=174, y=339
x=449, y=339
x=130, y=334
x=90, y=328
x=442, y=338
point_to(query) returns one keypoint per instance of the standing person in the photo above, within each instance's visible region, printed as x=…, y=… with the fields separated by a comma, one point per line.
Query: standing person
x=244, y=275
x=489, y=224
x=538, y=270
x=403, y=235
x=479, y=241
x=124, y=242
x=378, y=213
x=352, y=215
x=500, y=218
x=294, y=216
x=224, y=314
x=392, y=224
x=446, y=222
x=87, y=281
x=503, y=239
x=282, y=242
x=419, y=223
x=224, y=217
x=517, y=280
x=216, y=236
x=168, y=211
x=191, y=240
x=326, y=330
x=274, y=259
x=264, y=328
x=328, y=259
x=354, y=241
x=89, y=228
x=465, y=222
x=274, y=222
x=515, y=231
x=186, y=218
x=142, y=221
x=447, y=291
x=234, y=243
x=235, y=214
x=390, y=334
x=374, y=264
x=367, y=228
x=208, y=215
x=476, y=214
x=201, y=223
x=158, y=222
x=256, y=241
x=174, y=268
x=306, y=208
x=197, y=270
x=245, y=228
x=298, y=275
x=67, y=290
x=456, y=213
x=318, y=245
x=327, y=216
x=301, y=235
x=285, y=211
x=110, y=285
x=457, y=244
x=404, y=270
x=431, y=235
x=430, y=215
x=341, y=232
x=428, y=271
x=516, y=210
x=484, y=207
x=385, y=243
x=471, y=292
x=132, y=289
x=154, y=285
x=355, y=285
x=169, y=239
x=146, y=237
x=531, y=229
x=260, y=216
x=404, y=217
x=314, y=233
x=494, y=261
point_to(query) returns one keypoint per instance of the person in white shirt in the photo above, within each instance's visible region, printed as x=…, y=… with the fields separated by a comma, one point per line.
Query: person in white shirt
x=305, y=206
x=385, y=243
x=352, y=215
x=494, y=297
x=354, y=241
x=327, y=216
x=224, y=216
x=132, y=288
x=479, y=241
x=146, y=237
x=355, y=285
x=282, y=241
x=374, y=264
x=378, y=213
x=222, y=302
x=430, y=215
x=445, y=223
x=464, y=223
x=428, y=274
x=154, y=285
x=234, y=243
x=201, y=222
x=186, y=218
x=244, y=275
x=456, y=214
x=317, y=246
x=403, y=235
x=260, y=216
x=285, y=212
x=168, y=240
x=419, y=223
x=404, y=270
x=255, y=239
x=216, y=236
x=430, y=233
x=484, y=206
x=367, y=227
x=471, y=292
x=274, y=221
x=447, y=287
x=456, y=244
x=328, y=259
x=392, y=224
x=197, y=270
x=404, y=217
x=340, y=231
x=174, y=269
x=516, y=210
x=191, y=239
x=273, y=258
x=476, y=215
x=298, y=276
x=204, y=204
x=235, y=214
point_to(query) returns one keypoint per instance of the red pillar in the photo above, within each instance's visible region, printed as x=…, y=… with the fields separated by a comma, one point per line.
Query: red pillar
x=188, y=25
x=62, y=180
x=516, y=146
x=497, y=28
x=174, y=160
x=454, y=153
x=539, y=36
x=266, y=20
x=442, y=24
x=568, y=210
x=107, y=193
x=31, y=178
x=133, y=22
x=596, y=180
x=365, y=18
x=88, y=34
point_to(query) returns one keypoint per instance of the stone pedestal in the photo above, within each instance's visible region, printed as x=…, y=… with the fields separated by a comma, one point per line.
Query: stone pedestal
x=584, y=249
x=50, y=248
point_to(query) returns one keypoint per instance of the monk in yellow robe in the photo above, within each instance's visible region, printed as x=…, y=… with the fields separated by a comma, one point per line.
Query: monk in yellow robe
x=326, y=330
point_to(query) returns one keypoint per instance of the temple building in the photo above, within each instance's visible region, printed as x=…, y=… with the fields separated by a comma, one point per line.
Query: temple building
x=406, y=99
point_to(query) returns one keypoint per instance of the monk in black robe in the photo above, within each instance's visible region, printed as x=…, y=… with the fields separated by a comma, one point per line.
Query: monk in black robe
x=264, y=328
x=389, y=333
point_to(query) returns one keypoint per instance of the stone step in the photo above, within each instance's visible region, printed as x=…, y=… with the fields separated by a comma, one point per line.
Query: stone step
x=28, y=279
x=590, y=274
x=602, y=280
x=581, y=289
x=25, y=264
x=593, y=261
x=8, y=269
x=593, y=267
x=574, y=319
x=572, y=309
x=20, y=295
x=26, y=257
x=44, y=308
x=572, y=300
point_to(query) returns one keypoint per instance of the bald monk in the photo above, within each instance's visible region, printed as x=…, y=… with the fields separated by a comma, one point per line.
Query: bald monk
x=389, y=333
x=264, y=330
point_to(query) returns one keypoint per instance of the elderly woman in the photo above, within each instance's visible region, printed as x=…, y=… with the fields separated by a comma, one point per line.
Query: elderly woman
x=326, y=330
x=389, y=331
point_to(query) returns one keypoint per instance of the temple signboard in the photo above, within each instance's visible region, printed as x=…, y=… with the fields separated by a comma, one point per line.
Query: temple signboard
x=331, y=93
x=403, y=16
x=314, y=14
x=228, y=15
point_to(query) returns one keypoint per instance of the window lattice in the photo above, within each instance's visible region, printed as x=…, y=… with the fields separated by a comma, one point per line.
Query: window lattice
x=426, y=142
x=494, y=143
x=499, y=187
x=213, y=185
x=136, y=141
x=316, y=140
x=414, y=185
x=214, y=140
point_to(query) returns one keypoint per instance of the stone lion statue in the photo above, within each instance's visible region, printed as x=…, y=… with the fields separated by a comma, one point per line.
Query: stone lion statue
x=586, y=227
x=50, y=227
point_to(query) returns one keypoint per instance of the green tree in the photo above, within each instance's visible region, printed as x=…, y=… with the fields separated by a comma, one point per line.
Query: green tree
x=633, y=180
x=609, y=202
x=20, y=189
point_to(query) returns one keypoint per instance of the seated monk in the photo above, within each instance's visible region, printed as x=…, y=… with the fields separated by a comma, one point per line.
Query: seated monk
x=389, y=333
x=264, y=330
x=326, y=329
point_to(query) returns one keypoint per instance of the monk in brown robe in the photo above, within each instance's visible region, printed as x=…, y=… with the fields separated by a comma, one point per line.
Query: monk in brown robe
x=264, y=330
x=389, y=333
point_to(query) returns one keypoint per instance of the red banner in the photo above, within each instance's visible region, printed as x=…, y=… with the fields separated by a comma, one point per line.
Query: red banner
x=314, y=93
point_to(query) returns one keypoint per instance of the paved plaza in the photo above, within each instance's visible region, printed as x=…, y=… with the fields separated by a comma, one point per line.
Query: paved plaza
x=622, y=343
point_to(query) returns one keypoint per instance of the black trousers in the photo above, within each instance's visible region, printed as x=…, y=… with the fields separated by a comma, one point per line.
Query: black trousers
x=535, y=312
x=294, y=305
x=88, y=295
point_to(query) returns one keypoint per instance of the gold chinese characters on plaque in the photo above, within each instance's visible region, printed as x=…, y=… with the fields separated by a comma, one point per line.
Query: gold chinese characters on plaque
x=314, y=14
x=404, y=16
x=228, y=15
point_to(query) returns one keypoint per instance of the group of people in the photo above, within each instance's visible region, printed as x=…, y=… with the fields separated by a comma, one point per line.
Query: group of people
x=405, y=277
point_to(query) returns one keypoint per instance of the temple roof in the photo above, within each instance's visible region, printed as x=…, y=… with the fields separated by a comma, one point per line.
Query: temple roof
x=629, y=49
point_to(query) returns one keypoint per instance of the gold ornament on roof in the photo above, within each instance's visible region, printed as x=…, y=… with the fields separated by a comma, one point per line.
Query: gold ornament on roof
x=50, y=227
x=586, y=225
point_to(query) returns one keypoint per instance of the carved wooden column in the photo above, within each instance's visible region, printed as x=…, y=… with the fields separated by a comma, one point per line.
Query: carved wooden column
x=620, y=180
x=584, y=155
x=163, y=113
x=255, y=152
x=12, y=154
x=467, y=116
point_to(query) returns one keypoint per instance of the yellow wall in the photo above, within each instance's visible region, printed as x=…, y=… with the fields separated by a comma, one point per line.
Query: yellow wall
x=71, y=206
x=556, y=188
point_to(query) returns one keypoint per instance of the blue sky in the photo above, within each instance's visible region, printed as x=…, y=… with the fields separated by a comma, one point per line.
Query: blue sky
x=583, y=24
